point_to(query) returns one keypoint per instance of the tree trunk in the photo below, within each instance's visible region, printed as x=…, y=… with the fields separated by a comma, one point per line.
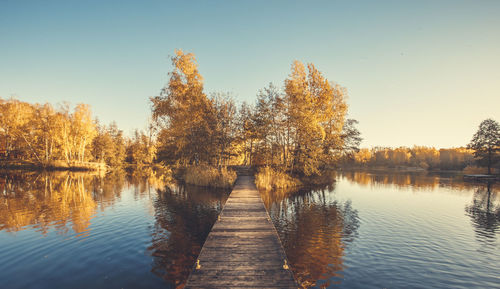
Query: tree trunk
x=489, y=161
x=251, y=152
x=46, y=150
x=83, y=148
x=31, y=148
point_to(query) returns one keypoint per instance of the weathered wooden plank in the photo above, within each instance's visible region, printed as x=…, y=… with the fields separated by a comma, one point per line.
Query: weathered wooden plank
x=247, y=272
x=276, y=279
x=243, y=249
x=252, y=223
x=221, y=236
x=241, y=265
x=250, y=229
x=228, y=238
x=269, y=283
x=241, y=287
x=237, y=256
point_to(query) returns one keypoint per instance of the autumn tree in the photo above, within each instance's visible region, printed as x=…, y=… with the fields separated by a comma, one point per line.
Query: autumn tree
x=425, y=157
x=224, y=129
x=43, y=134
x=317, y=111
x=109, y=145
x=363, y=156
x=247, y=134
x=272, y=121
x=400, y=156
x=486, y=143
x=141, y=149
x=351, y=138
x=47, y=127
x=301, y=129
x=18, y=129
x=455, y=158
x=83, y=130
x=262, y=119
x=184, y=113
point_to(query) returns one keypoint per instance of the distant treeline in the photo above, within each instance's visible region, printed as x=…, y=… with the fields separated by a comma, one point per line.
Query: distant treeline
x=46, y=136
x=427, y=158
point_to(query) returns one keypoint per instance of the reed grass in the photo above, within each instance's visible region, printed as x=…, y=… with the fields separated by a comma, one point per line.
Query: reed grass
x=208, y=176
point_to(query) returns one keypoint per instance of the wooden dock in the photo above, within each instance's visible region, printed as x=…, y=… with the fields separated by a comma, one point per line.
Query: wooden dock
x=480, y=177
x=243, y=249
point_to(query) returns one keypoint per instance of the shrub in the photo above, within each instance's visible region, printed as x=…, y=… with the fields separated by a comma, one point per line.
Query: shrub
x=208, y=176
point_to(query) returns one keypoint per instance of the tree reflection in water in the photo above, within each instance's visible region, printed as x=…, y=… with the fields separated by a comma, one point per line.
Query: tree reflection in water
x=405, y=180
x=315, y=230
x=68, y=201
x=45, y=200
x=184, y=217
x=484, y=212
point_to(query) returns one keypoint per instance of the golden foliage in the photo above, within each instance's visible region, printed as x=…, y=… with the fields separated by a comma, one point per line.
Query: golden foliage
x=141, y=149
x=417, y=157
x=300, y=129
x=48, y=136
x=184, y=113
x=317, y=110
x=57, y=138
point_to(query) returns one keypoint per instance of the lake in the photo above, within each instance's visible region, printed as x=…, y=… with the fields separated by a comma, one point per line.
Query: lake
x=366, y=230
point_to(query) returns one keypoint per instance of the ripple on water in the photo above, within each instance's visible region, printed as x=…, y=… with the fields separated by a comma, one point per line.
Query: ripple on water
x=389, y=235
x=101, y=234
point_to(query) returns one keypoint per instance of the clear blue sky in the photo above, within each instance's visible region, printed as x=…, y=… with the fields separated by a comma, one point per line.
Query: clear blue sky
x=417, y=72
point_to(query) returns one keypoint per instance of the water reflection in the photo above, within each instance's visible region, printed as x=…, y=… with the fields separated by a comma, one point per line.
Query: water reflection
x=146, y=180
x=140, y=229
x=404, y=233
x=184, y=217
x=405, y=180
x=46, y=200
x=315, y=230
x=485, y=213
x=173, y=218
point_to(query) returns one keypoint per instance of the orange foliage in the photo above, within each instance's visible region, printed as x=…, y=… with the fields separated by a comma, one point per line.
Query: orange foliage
x=417, y=157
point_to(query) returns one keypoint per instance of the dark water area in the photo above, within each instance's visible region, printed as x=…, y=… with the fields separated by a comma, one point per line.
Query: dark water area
x=391, y=230
x=75, y=230
x=365, y=230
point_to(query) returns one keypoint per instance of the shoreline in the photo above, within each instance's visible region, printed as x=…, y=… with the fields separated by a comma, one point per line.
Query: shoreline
x=54, y=166
x=400, y=169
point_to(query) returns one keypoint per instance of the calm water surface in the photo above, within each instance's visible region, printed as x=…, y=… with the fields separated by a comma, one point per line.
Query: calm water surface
x=68, y=230
x=383, y=230
x=367, y=230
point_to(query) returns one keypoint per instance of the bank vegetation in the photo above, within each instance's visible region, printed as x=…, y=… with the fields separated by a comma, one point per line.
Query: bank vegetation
x=294, y=134
x=40, y=136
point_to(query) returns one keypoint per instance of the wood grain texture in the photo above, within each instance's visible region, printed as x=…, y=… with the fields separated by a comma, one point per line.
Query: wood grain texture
x=243, y=249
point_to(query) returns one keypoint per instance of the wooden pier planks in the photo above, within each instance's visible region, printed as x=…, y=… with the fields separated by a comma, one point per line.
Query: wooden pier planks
x=243, y=249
